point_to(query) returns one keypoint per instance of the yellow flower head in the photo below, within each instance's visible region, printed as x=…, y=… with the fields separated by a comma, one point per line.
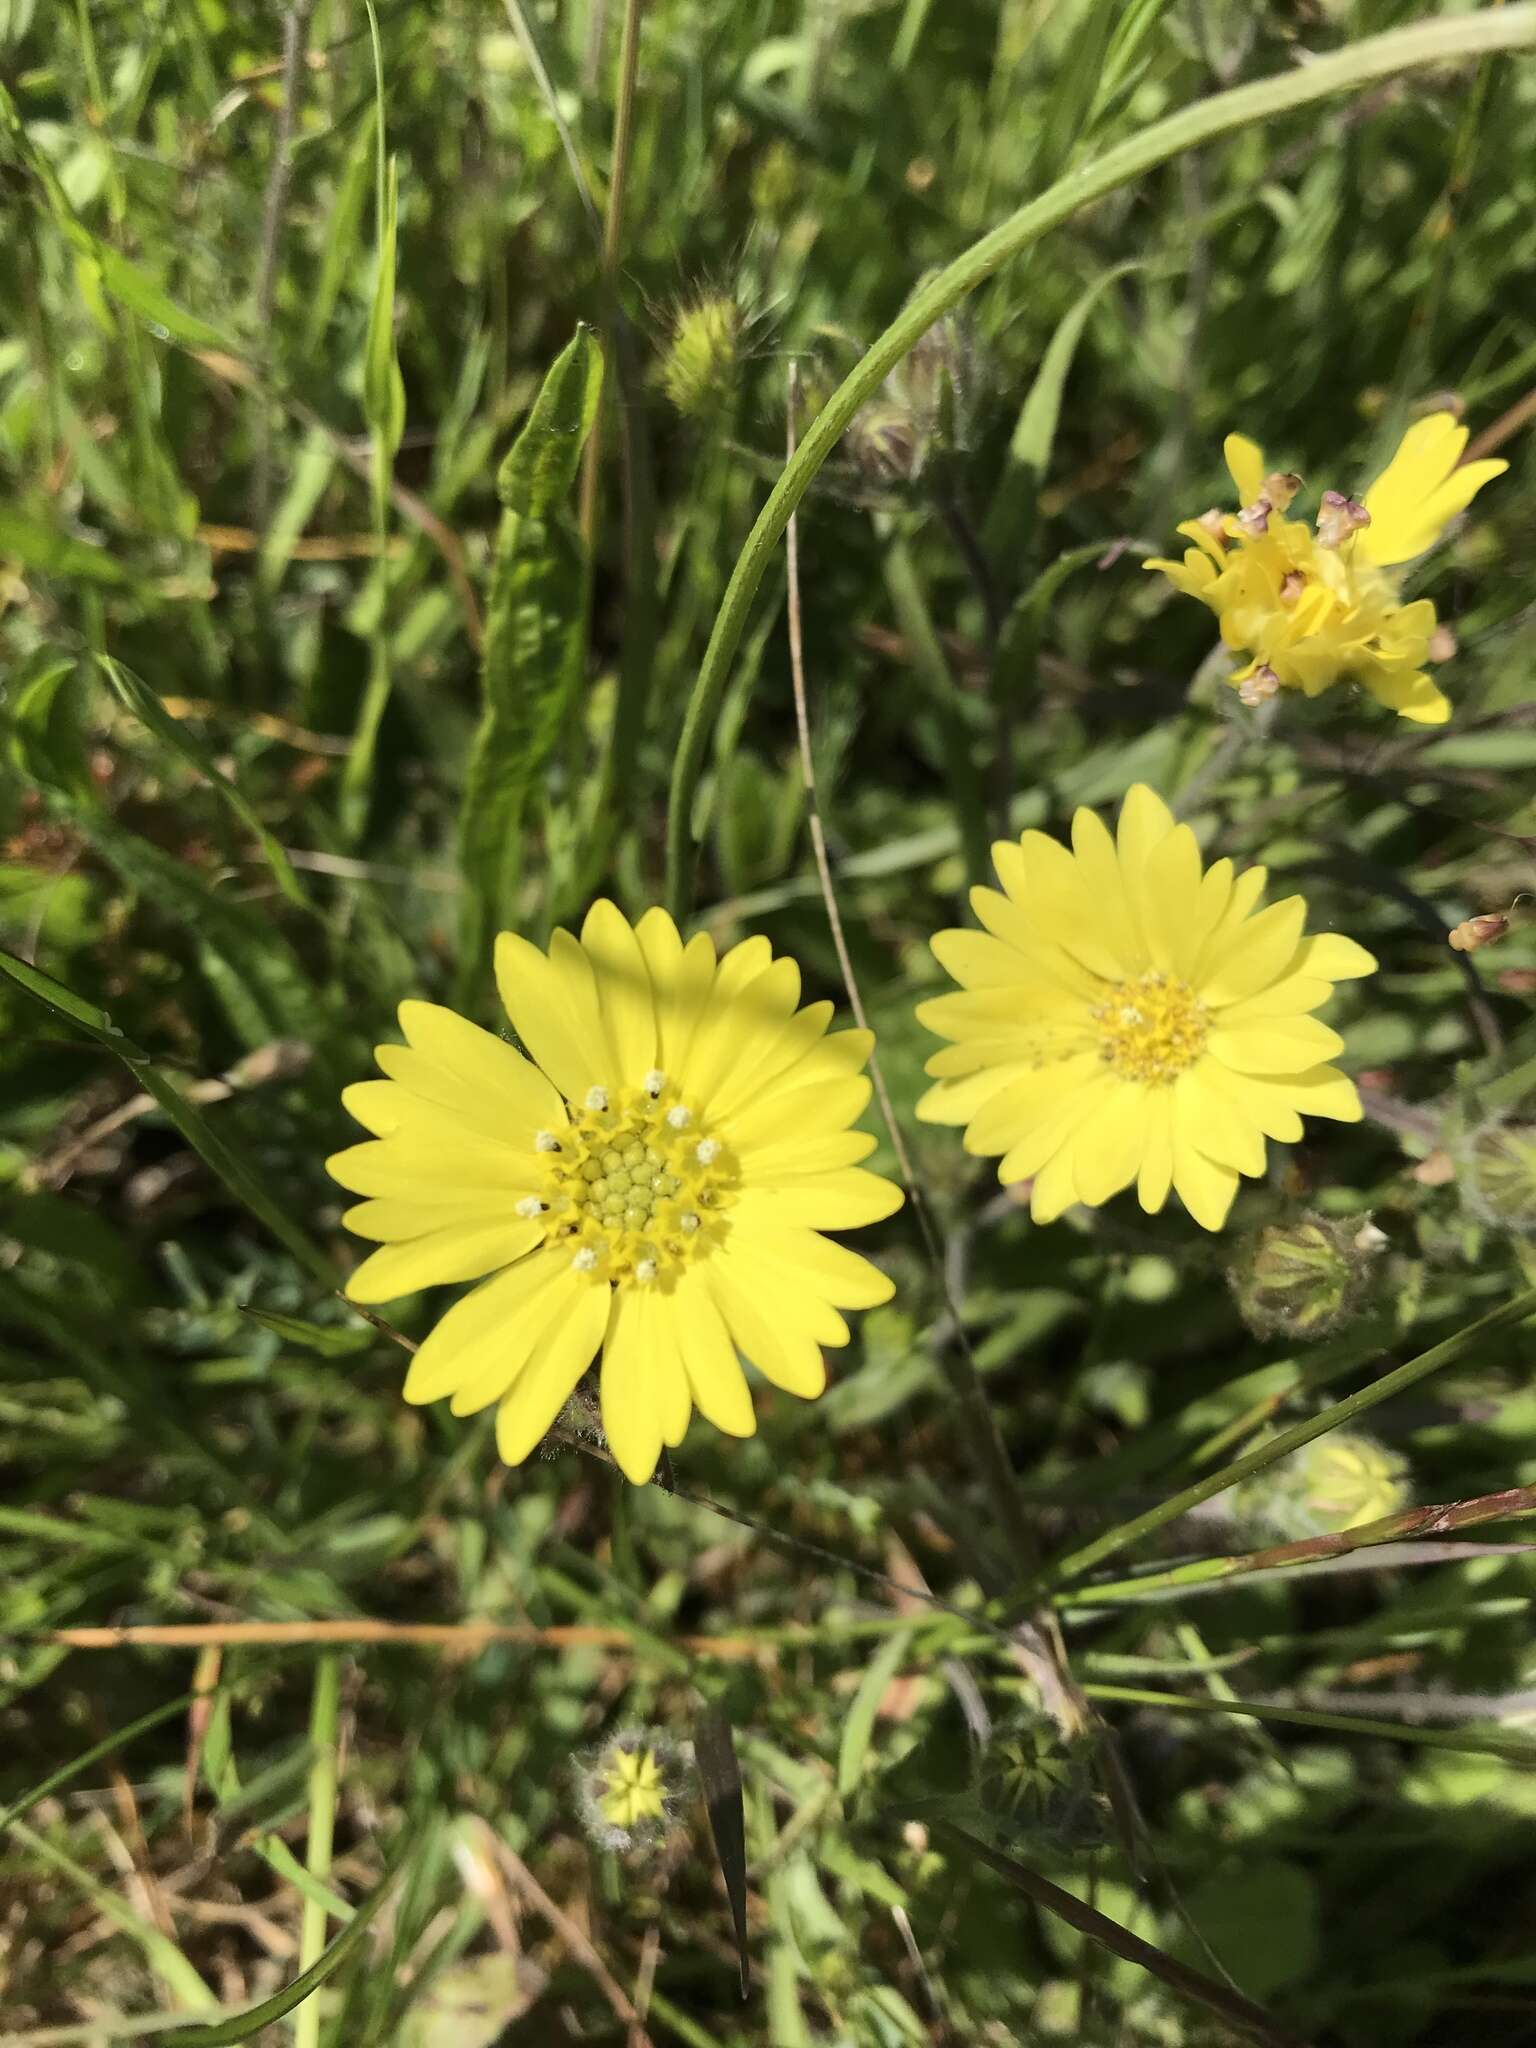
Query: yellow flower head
x=633, y=1789
x=1127, y=1016
x=1310, y=606
x=651, y=1181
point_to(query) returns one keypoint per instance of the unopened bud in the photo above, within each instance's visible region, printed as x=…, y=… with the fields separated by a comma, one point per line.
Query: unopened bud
x=699, y=369
x=1035, y=1782
x=1215, y=523
x=1475, y=932
x=1339, y=518
x=1499, y=1178
x=1341, y=1481
x=1302, y=1278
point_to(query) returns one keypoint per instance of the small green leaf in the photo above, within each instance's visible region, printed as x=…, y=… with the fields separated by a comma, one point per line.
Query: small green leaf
x=714, y=1750
x=66, y=1004
x=859, y=1727
x=318, y=1337
x=41, y=547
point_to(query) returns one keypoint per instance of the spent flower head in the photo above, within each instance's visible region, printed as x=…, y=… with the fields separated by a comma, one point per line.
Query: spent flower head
x=1313, y=606
x=651, y=1182
x=1130, y=1016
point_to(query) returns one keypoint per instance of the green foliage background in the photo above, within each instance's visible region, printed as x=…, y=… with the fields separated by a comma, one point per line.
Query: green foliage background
x=258, y=784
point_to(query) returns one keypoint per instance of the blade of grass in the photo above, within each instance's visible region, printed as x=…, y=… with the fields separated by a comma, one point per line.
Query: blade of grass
x=324, y=1709
x=1438, y=41
x=1513, y=1749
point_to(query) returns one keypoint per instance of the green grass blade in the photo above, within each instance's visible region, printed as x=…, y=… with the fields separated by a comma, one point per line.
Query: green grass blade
x=1515, y=1749
x=140, y=699
x=859, y=1728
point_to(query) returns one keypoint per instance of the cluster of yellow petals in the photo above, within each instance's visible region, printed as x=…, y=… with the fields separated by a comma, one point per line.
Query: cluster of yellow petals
x=1311, y=607
x=633, y=1790
x=1129, y=1016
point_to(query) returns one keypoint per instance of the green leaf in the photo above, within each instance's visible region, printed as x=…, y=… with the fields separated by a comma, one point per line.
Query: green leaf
x=243, y=2025
x=859, y=1727
x=45, y=740
x=383, y=386
x=318, y=1337
x=533, y=642
x=53, y=995
x=1010, y=522
x=714, y=1750
x=41, y=547
x=140, y=699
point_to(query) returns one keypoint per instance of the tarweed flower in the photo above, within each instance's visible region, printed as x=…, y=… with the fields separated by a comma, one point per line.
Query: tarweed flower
x=1311, y=606
x=1341, y=1481
x=629, y=1787
x=652, y=1181
x=1305, y=1278
x=1126, y=1016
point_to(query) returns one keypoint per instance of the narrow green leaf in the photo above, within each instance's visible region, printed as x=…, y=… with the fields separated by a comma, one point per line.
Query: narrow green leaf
x=341, y=236
x=108, y=1746
x=141, y=700
x=1010, y=522
x=41, y=547
x=383, y=387
x=319, y=1337
x=1515, y=1749
x=531, y=668
x=714, y=1749
x=53, y=995
x=859, y=1727
x=243, y=2025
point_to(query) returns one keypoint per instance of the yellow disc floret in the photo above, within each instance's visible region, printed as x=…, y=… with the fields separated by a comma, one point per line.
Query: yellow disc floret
x=1152, y=1028
x=632, y=1788
x=635, y=1188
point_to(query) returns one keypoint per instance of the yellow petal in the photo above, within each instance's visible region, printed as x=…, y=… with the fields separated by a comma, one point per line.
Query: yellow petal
x=797, y=1153
x=491, y=1315
x=1107, y=1151
x=1167, y=889
x=715, y=1378
x=1145, y=822
x=1411, y=694
x=549, y=1378
x=482, y=1072
x=1255, y=954
x=392, y=1221
x=956, y=1101
x=1280, y=1045
x=737, y=1029
x=623, y=986
x=1156, y=1176
x=1055, y=1188
x=833, y=1201
x=456, y=1169
x=1205, y=1189
x=1334, y=958
x=1109, y=902
x=1007, y=1118
x=783, y=1354
x=644, y=1389
x=1029, y=1156
x=825, y=1107
x=1212, y=1118
x=817, y=1265
x=1292, y=996
x=1285, y=1098
x=1245, y=466
x=453, y=1253
x=1243, y=892
x=682, y=981
x=555, y=1017
x=1421, y=490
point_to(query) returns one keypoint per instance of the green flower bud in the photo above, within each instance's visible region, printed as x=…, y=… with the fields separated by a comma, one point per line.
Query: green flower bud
x=1304, y=1278
x=1499, y=1178
x=1038, y=1784
x=700, y=368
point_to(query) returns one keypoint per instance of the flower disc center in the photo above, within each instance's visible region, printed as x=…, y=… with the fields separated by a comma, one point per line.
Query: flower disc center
x=635, y=1187
x=1152, y=1028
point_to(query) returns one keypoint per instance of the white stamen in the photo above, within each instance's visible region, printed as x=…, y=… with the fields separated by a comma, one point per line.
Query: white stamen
x=545, y=1141
x=654, y=1081
x=597, y=1098
x=688, y=1222
x=530, y=1206
x=585, y=1260
x=707, y=1151
x=680, y=1116
x=645, y=1271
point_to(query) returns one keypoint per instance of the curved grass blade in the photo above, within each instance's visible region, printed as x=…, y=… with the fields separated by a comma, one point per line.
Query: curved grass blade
x=714, y=1750
x=133, y=692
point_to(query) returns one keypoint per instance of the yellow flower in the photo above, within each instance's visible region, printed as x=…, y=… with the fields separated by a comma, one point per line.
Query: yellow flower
x=650, y=1181
x=1126, y=1016
x=632, y=1788
x=1310, y=608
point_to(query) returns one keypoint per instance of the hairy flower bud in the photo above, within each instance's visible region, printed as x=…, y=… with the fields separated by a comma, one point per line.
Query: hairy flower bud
x=1499, y=1177
x=1302, y=1278
x=700, y=368
x=628, y=1789
x=1037, y=1783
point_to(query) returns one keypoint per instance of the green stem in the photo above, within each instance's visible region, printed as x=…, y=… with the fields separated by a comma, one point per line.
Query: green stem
x=324, y=1708
x=1517, y=1749
x=1425, y=43
x=1126, y=1533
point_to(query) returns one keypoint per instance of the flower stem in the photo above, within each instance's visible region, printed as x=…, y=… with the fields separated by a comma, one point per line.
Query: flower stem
x=323, y=1714
x=1437, y=41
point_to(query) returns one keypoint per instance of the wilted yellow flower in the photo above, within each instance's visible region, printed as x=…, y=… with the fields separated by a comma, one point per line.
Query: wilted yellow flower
x=1310, y=607
x=651, y=1182
x=1126, y=1016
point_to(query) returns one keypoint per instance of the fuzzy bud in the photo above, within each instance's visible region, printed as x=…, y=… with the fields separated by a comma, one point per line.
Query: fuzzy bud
x=1302, y=1278
x=700, y=368
x=1038, y=1784
x=1473, y=932
x=1340, y=1482
x=1499, y=1178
